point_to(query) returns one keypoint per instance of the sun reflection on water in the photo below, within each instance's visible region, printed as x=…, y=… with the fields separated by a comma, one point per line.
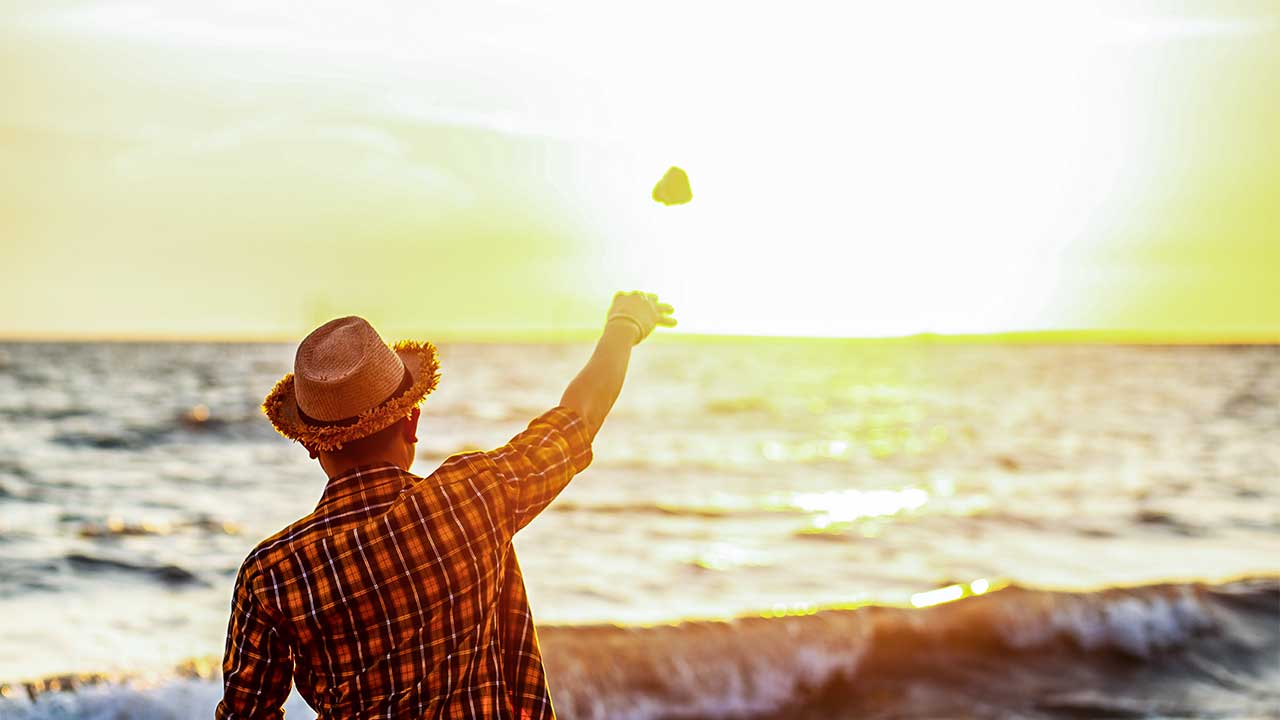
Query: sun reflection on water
x=725, y=556
x=937, y=597
x=919, y=600
x=845, y=506
x=951, y=593
x=876, y=437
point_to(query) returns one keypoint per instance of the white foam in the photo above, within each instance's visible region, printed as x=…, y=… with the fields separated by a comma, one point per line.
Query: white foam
x=1135, y=624
x=174, y=699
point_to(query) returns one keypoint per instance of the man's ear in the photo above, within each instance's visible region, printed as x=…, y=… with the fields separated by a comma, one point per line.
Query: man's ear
x=411, y=426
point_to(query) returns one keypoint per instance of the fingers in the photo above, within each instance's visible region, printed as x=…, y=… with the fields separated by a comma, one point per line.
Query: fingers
x=663, y=310
x=654, y=312
x=664, y=313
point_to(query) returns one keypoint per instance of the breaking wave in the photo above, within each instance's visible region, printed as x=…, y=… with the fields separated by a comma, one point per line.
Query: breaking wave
x=1170, y=650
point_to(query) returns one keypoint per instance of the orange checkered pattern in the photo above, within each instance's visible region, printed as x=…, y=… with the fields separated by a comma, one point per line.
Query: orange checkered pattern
x=400, y=596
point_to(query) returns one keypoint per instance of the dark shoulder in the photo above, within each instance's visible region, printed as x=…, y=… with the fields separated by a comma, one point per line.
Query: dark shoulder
x=280, y=544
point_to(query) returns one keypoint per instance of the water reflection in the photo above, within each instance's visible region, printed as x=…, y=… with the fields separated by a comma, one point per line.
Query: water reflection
x=951, y=593
x=937, y=597
x=844, y=506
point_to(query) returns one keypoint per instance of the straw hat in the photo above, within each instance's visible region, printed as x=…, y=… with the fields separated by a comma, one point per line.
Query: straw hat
x=347, y=384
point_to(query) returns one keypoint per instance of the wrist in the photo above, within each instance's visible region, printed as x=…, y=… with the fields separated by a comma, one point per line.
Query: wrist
x=627, y=326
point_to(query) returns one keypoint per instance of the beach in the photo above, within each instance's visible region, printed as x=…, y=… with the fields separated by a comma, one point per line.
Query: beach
x=770, y=528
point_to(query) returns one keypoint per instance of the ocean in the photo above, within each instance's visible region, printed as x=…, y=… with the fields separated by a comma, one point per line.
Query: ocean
x=770, y=529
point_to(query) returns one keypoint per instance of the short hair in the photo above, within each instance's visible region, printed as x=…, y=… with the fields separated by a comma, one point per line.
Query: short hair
x=368, y=443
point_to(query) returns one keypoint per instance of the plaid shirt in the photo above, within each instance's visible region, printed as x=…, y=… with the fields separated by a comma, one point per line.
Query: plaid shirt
x=400, y=596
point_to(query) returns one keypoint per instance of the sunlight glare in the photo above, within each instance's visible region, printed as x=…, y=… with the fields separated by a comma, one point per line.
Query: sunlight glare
x=844, y=506
x=937, y=597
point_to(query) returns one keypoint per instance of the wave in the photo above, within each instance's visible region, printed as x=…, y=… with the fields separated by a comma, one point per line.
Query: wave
x=1181, y=649
x=748, y=405
x=26, y=413
x=190, y=426
x=667, y=509
x=167, y=574
x=1169, y=650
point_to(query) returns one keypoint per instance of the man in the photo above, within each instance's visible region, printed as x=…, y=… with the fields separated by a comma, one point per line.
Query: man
x=400, y=596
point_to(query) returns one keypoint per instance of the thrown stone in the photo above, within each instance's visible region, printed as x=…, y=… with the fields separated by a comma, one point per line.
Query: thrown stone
x=673, y=188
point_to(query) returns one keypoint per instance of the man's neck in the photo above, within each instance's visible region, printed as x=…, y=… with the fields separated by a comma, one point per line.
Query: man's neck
x=338, y=465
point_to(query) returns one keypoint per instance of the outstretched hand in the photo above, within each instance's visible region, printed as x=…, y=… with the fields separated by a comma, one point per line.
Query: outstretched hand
x=641, y=310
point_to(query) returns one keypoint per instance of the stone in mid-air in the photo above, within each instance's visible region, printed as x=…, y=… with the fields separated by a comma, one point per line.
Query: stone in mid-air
x=673, y=188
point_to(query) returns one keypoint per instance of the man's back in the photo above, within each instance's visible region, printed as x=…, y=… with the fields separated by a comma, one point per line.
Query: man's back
x=401, y=596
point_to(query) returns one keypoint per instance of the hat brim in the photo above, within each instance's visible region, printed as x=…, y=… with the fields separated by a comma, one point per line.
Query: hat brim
x=281, y=405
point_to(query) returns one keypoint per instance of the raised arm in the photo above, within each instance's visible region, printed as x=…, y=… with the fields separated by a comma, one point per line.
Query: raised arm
x=631, y=318
x=540, y=461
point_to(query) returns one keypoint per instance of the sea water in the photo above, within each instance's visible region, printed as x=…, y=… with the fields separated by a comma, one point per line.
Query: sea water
x=762, y=480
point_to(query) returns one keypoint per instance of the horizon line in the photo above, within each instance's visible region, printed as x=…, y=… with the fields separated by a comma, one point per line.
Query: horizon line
x=1081, y=336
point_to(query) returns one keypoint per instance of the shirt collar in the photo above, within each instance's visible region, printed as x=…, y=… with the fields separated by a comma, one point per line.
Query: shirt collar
x=374, y=483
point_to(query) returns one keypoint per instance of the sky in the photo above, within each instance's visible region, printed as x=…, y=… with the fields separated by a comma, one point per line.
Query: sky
x=246, y=169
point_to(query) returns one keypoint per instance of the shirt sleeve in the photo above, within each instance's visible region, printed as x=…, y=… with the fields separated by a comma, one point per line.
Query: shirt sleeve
x=539, y=462
x=257, y=669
